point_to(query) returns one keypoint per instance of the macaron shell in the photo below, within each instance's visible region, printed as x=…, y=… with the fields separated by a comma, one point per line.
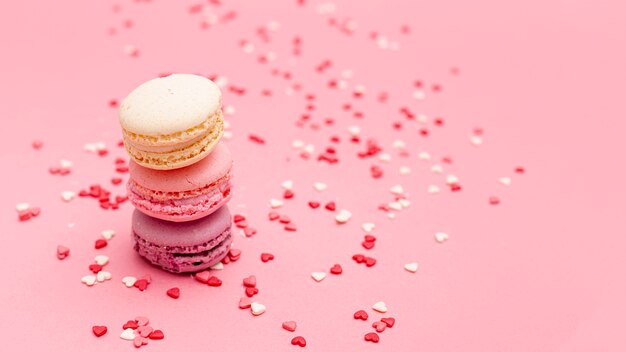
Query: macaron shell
x=170, y=104
x=202, y=173
x=166, y=233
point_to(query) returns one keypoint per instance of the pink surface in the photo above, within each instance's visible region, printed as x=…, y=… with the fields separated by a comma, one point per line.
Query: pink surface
x=541, y=271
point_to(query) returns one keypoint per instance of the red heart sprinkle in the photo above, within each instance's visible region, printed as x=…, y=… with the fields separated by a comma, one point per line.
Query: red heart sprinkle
x=520, y=170
x=361, y=314
x=290, y=227
x=330, y=206
x=116, y=180
x=367, y=245
x=35, y=211
x=377, y=171
x=299, y=341
x=389, y=321
x=359, y=258
x=214, y=281
x=203, y=276
x=289, y=326
x=494, y=200
x=336, y=269
x=173, y=292
x=99, y=330
x=379, y=326
x=101, y=243
x=284, y=219
x=244, y=303
x=370, y=238
x=288, y=194
x=266, y=257
x=238, y=218
x=95, y=268
x=234, y=254
x=314, y=205
x=372, y=337
x=251, y=291
x=370, y=261
x=141, y=284
x=242, y=224
x=132, y=324
x=62, y=252
x=250, y=281
x=156, y=335
x=273, y=215
x=249, y=231
x=37, y=145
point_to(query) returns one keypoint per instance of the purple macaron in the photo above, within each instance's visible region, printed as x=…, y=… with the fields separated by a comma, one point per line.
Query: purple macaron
x=182, y=247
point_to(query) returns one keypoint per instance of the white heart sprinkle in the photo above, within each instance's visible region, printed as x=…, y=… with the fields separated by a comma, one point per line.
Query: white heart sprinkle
x=229, y=110
x=297, y=144
x=129, y=281
x=405, y=170
x=432, y=189
x=354, y=130
x=395, y=205
x=368, y=227
x=287, y=184
x=397, y=189
x=103, y=275
x=128, y=334
x=276, y=203
x=450, y=179
x=108, y=234
x=22, y=206
x=343, y=216
x=391, y=215
x=88, y=280
x=347, y=74
x=505, y=180
x=341, y=84
x=419, y=95
x=436, y=169
x=423, y=156
x=441, y=237
x=218, y=266
x=421, y=118
x=385, y=157
x=101, y=260
x=380, y=307
x=318, y=276
x=309, y=148
x=66, y=164
x=68, y=195
x=227, y=135
x=319, y=186
x=257, y=308
x=399, y=144
x=476, y=140
x=404, y=203
x=90, y=147
x=412, y=267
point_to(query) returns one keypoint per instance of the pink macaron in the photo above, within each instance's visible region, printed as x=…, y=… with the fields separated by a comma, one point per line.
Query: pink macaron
x=184, y=246
x=183, y=194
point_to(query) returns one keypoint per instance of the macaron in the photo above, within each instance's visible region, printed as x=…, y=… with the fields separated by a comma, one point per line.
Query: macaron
x=173, y=121
x=183, y=194
x=183, y=247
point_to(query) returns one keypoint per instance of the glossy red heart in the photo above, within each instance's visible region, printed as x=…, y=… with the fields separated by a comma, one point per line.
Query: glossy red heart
x=251, y=291
x=214, y=281
x=156, y=335
x=62, y=252
x=141, y=284
x=101, y=243
x=99, y=330
x=284, y=219
x=359, y=258
x=336, y=269
x=173, y=292
x=370, y=238
x=238, y=218
x=361, y=314
x=290, y=227
x=298, y=341
x=288, y=194
x=389, y=321
x=372, y=337
x=95, y=268
x=330, y=206
x=265, y=257
x=273, y=215
x=314, y=205
x=250, y=281
x=244, y=303
x=370, y=261
x=367, y=245
x=203, y=276
x=131, y=324
x=289, y=326
x=379, y=326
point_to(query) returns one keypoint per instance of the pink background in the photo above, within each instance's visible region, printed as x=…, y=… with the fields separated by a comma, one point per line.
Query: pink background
x=542, y=271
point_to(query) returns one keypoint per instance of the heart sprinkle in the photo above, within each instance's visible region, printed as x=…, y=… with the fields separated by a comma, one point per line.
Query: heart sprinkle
x=290, y=326
x=173, y=292
x=380, y=307
x=298, y=341
x=99, y=330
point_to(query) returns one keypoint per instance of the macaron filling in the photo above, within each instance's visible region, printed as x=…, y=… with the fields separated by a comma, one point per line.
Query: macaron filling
x=180, y=204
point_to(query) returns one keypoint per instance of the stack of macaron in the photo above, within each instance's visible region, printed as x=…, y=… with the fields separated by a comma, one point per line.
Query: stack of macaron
x=180, y=173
